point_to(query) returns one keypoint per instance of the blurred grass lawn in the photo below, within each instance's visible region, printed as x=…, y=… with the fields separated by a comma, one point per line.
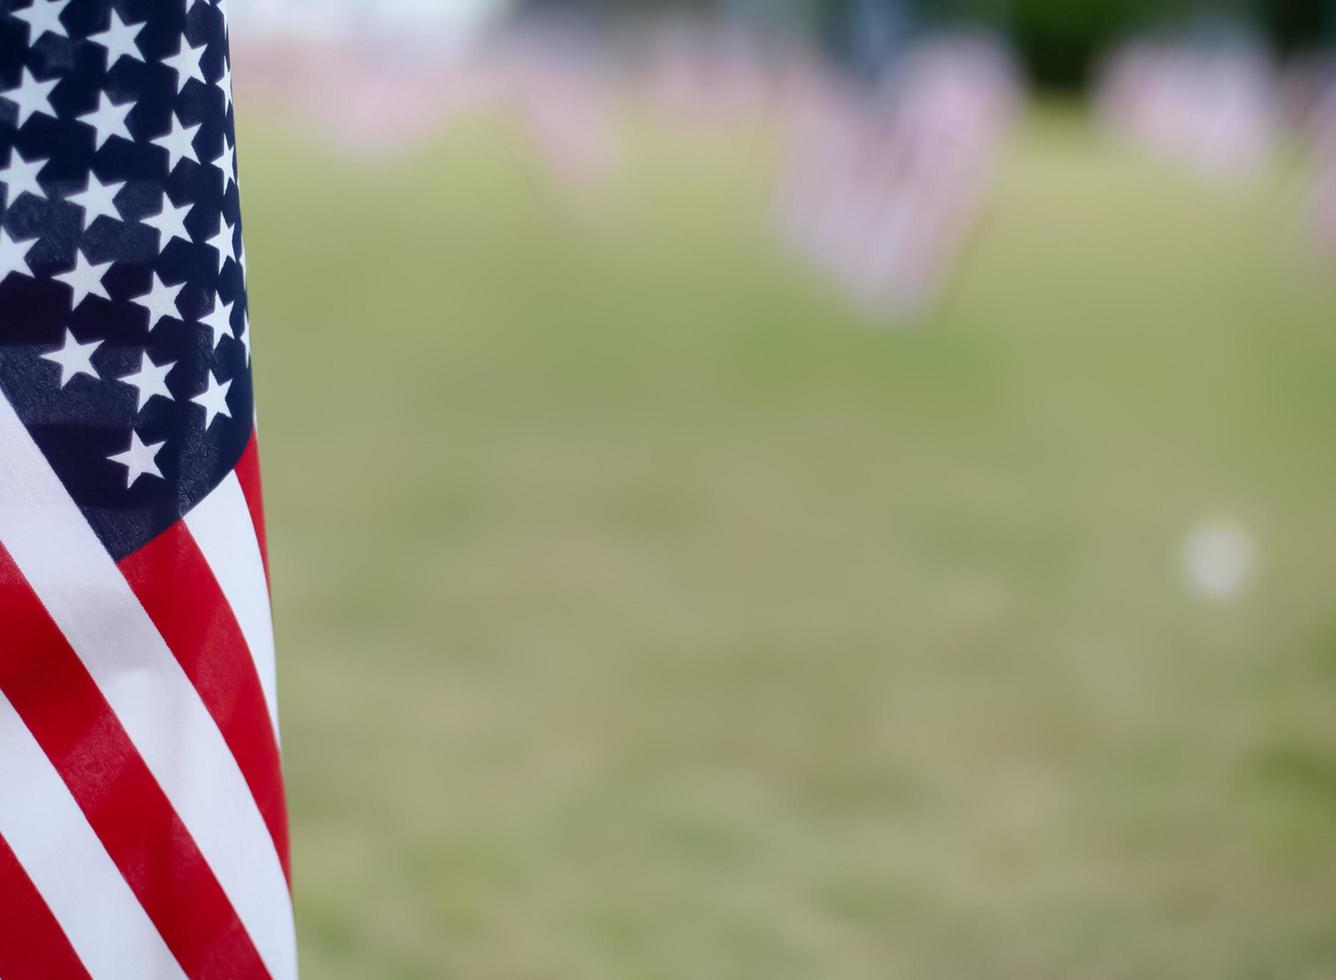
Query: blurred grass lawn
x=643, y=614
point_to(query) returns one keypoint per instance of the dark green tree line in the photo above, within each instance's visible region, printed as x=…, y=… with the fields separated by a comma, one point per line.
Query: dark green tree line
x=1058, y=40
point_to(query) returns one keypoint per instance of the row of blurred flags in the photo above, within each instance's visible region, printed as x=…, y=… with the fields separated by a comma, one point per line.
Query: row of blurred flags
x=1219, y=108
x=883, y=175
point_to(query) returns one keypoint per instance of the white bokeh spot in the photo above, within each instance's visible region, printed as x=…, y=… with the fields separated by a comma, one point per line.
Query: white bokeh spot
x=1219, y=558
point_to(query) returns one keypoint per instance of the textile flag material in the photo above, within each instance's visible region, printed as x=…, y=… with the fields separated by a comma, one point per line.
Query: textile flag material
x=142, y=824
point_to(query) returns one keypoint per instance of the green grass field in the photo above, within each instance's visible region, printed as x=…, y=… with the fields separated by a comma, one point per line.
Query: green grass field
x=645, y=614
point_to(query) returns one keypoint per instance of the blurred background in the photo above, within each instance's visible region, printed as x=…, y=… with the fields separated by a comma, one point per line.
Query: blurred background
x=793, y=489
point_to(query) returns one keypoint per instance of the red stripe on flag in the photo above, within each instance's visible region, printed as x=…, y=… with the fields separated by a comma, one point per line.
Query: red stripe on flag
x=248, y=475
x=62, y=706
x=32, y=944
x=173, y=582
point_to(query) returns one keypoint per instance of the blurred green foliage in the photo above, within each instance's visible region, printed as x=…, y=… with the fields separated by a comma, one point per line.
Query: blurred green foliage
x=1059, y=40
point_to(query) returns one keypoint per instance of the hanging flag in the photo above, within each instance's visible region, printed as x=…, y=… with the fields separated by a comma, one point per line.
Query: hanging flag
x=142, y=824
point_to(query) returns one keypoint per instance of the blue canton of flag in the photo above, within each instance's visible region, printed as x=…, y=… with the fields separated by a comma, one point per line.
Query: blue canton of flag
x=124, y=297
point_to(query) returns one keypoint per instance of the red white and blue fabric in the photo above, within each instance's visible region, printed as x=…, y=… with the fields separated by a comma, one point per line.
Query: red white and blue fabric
x=143, y=832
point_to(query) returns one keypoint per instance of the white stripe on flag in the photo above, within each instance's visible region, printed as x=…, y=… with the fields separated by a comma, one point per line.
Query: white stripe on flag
x=85, y=593
x=95, y=908
x=222, y=527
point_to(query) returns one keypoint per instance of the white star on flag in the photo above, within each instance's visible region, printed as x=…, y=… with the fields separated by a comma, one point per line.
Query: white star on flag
x=85, y=279
x=213, y=400
x=31, y=96
x=218, y=320
x=187, y=64
x=244, y=337
x=43, y=16
x=21, y=176
x=222, y=242
x=149, y=380
x=74, y=359
x=160, y=301
x=225, y=83
x=97, y=200
x=139, y=460
x=119, y=40
x=179, y=142
x=170, y=222
x=227, y=163
x=13, y=254
x=108, y=120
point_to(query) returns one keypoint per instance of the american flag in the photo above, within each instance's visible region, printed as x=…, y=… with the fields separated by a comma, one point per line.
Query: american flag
x=142, y=823
x=883, y=186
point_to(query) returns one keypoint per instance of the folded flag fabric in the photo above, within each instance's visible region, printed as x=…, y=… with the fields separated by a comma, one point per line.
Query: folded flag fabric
x=143, y=831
